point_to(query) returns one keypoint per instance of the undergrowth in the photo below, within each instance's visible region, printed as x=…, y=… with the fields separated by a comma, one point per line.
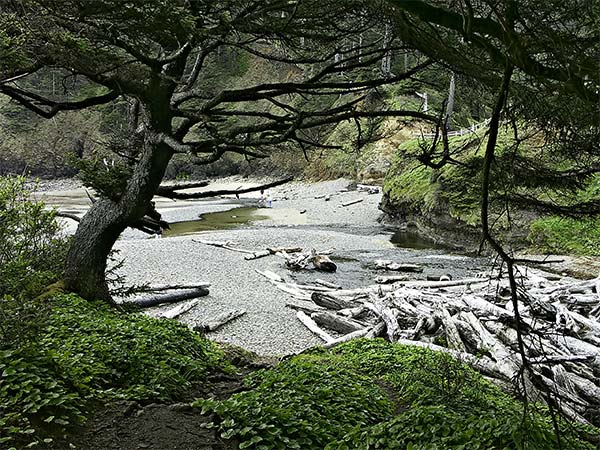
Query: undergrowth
x=369, y=394
x=454, y=191
x=87, y=351
x=111, y=354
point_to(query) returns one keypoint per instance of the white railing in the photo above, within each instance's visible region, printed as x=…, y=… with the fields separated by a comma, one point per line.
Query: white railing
x=472, y=129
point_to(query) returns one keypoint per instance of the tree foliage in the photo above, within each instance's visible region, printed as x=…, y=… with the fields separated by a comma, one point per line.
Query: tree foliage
x=164, y=56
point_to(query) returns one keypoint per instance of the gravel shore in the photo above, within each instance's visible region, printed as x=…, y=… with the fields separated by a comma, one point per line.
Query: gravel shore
x=300, y=217
x=269, y=327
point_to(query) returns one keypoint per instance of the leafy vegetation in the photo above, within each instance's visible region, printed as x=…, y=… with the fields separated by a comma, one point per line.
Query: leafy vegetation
x=371, y=394
x=112, y=354
x=303, y=403
x=31, y=251
x=454, y=191
x=37, y=401
x=441, y=428
x=87, y=351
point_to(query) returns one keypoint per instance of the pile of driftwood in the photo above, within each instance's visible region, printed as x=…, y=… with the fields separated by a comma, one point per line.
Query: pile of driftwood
x=474, y=320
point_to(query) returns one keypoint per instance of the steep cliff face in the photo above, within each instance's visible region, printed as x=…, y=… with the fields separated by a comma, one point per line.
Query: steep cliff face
x=444, y=204
x=436, y=224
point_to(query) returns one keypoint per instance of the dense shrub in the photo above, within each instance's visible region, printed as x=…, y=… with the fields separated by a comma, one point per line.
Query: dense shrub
x=301, y=404
x=565, y=235
x=87, y=351
x=37, y=401
x=31, y=251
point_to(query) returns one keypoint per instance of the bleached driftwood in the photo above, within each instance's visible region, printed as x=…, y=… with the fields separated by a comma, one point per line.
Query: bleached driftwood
x=172, y=287
x=369, y=189
x=270, y=275
x=391, y=279
x=228, y=245
x=327, y=284
x=331, y=301
x=337, y=323
x=320, y=260
x=453, y=337
x=178, y=310
x=385, y=264
x=217, y=322
x=312, y=326
x=271, y=251
x=323, y=263
x=303, y=305
x=348, y=337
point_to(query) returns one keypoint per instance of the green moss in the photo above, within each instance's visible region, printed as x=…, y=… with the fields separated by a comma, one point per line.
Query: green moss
x=455, y=190
x=461, y=189
x=564, y=235
x=412, y=186
x=421, y=189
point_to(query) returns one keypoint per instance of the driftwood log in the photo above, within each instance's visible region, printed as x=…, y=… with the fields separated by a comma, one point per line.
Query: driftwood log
x=178, y=310
x=272, y=251
x=352, y=202
x=369, y=189
x=164, y=296
x=217, y=322
x=384, y=264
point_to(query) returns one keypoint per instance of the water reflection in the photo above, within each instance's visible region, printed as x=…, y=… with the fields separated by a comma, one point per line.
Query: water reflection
x=222, y=220
x=410, y=239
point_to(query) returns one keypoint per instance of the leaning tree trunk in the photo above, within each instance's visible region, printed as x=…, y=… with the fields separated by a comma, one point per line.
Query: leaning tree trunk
x=107, y=219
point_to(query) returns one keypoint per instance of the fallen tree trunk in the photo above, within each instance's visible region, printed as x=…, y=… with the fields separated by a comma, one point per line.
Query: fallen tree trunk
x=335, y=322
x=324, y=263
x=219, y=192
x=320, y=261
x=327, y=284
x=272, y=251
x=330, y=301
x=391, y=279
x=369, y=189
x=302, y=305
x=171, y=287
x=178, y=310
x=384, y=264
x=228, y=245
x=348, y=337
